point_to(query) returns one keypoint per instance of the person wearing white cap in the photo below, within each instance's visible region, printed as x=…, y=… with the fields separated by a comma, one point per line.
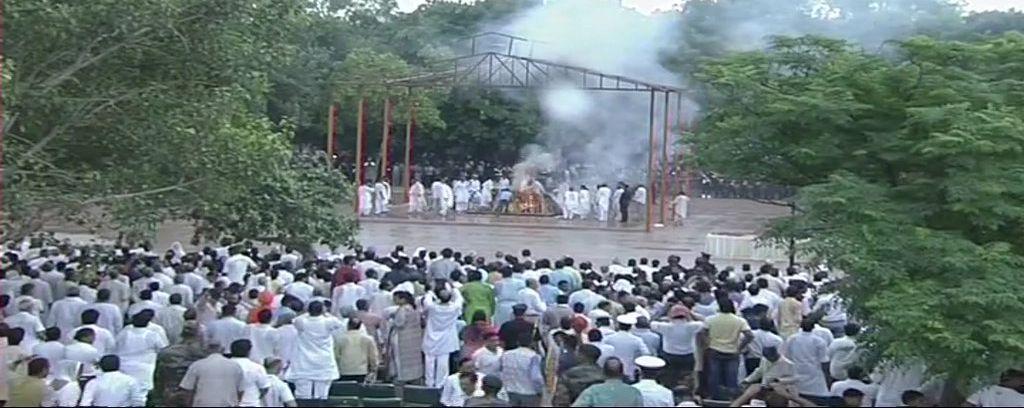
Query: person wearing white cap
x=654, y=394
x=628, y=346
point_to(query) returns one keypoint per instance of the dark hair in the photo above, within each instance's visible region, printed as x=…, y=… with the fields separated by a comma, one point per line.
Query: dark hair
x=228, y=310
x=855, y=373
x=15, y=335
x=85, y=333
x=589, y=352
x=264, y=316
x=362, y=305
x=175, y=299
x=853, y=393
x=316, y=308
x=726, y=306
x=52, y=334
x=479, y=316
x=909, y=396
x=544, y=280
x=446, y=253
x=594, y=336
x=354, y=324
x=578, y=307
x=140, y=319
x=241, y=348
x=851, y=329
x=153, y=286
x=562, y=299
x=613, y=367
x=37, y=366
x=146, y=294
x=110, y=362
x=807, y=325
x=491, y=384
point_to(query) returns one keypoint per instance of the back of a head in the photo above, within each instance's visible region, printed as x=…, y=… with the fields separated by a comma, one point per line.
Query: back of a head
x=176, y=299
x=354, y=324
x=577, y=307
x=316, y=308
x=38, y=367
x=227, y=310
x=85, y=335
x=52, y=334
x=912, y=398
x=264, y=316
x=613, y=368
x=140, y=319
x=807, y=325
x=851, y=329
x=594, y=336
x=241, y=348
x=491, y=385
x=589, y=352
x=110, y=363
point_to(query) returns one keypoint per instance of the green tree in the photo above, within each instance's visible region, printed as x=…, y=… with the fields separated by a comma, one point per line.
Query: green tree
x=912, y=182
x=125, y=114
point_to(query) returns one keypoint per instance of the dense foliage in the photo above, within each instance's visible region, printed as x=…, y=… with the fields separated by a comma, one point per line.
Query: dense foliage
x=912, y=176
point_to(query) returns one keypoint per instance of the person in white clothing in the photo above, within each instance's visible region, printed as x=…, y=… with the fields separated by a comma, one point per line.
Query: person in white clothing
x=843, y=353
x=584, y=203
x=854, y=379
x=238, y=265
x=603, y=199
x=1005, y=394
x=381, y=197
x=313, y=364
x=808, y=352
x=64, y=383
x=28, y=322
x=265, y=338
x=487, y=193
x=65, y=313
x=365, y=197
x=172, y=319
x=461, y=190
x=447, y=199
x=137, y=347
x=226, y=329
x=628, y=346
x=103, y=339
x=145, y=303
x=113, y=388
x=344, y=297
x=279, y=394
x=180, y=288
x=256, y=382
x=417, y=198
x=530, y=297
x=680, y=208
x=82, y=351
x=52, y=349
x=441, y=336
x=654, y=394
x=570, y=203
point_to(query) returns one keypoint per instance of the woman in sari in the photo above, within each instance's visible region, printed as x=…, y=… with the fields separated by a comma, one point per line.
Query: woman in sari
x=405, y=342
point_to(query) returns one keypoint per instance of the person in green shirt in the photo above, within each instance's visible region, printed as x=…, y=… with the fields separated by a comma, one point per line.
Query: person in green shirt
x=478, y=296
x=612, y=392
x=31, y=390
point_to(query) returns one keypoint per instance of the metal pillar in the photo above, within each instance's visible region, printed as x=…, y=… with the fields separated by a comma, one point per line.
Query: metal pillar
x=650, y=165
x=383, y=172
x=360, y=134
x=408, y=148
x=663, y=189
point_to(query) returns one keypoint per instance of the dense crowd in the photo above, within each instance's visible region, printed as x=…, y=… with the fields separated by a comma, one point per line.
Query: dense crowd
x=234, y=326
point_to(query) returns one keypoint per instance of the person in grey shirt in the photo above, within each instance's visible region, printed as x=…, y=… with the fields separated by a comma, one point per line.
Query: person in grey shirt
x=442, y=268
x=210, y=381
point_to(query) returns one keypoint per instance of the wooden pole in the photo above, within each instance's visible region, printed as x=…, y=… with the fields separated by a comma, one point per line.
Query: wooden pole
x=385, y=143
x=650, y=165
x=408, y=148
x=360, y=122
x=330, y=134
x=663, y=190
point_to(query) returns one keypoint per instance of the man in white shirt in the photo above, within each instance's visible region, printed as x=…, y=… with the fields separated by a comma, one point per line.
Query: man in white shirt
x=119, y=291
x=145, y=302
x=441, y=336
x=180, y=288
x=172, y=319
x=111, y=316
x=279, y=394
x=854, y=380
x=265, y=338
x=1005, y=394
x=300, y=288
x=530, y=297
x=28, y=322
x=586, y=296
x=344, y=298
x=226, y=329
x=256, y=381
x=103, y=340
x=808, y=352
x=52, y=349
x=82, y=351
x=842, y=352
x=113, y=388
x=137, y=346
x=237, y=265
x=628, y=347
x=654, y=394
x=64, y=313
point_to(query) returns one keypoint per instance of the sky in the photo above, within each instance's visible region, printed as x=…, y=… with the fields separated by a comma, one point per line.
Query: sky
x=651, y=5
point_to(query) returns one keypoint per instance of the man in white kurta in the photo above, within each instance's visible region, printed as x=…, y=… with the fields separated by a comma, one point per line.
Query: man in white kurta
x=313, y=366
x=365, y=200
x=417, y=198
x=225, y=330
x=487, y=193
x=570, y=203
x=447, y=199
x=614, y=213
x=461, y=190
x=66, y=313
x=172, y=319
x=640, y=197
x=530, y=297
x=265, y=338
x=344, y=298
x=441, y=337
x=601, y=201
x=474, y=191
x=808, y=352
x=583, y=208
x=381, y=197
x=680, y=208
x=137, y=347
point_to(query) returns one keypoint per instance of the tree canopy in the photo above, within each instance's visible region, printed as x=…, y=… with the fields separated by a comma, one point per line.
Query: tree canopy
x=911, y=171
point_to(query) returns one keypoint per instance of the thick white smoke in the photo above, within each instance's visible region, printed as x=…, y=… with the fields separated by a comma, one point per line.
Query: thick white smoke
x=606, y=132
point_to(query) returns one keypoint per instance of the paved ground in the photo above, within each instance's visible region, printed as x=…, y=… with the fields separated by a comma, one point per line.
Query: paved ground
x=545, y=236
x=548, y=237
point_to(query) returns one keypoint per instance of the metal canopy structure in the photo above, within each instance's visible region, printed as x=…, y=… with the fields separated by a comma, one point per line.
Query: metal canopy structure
x=497, y=65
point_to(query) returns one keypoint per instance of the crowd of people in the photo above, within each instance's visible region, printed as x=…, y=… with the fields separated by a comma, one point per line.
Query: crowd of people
x=234, y=326
x=469, y=195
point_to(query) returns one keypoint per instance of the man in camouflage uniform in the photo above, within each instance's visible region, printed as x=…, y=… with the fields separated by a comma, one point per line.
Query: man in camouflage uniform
x=171, y=365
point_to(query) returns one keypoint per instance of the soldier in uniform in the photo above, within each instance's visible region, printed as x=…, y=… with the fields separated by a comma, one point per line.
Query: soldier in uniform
x=171, y=365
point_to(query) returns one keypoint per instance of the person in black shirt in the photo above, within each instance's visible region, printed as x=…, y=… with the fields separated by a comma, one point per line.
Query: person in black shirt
x=624, y=200
x=513, y=329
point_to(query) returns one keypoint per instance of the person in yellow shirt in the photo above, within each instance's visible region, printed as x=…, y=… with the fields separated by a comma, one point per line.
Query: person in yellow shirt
x=791, y=313
x=31, y=390
x=727, y=334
